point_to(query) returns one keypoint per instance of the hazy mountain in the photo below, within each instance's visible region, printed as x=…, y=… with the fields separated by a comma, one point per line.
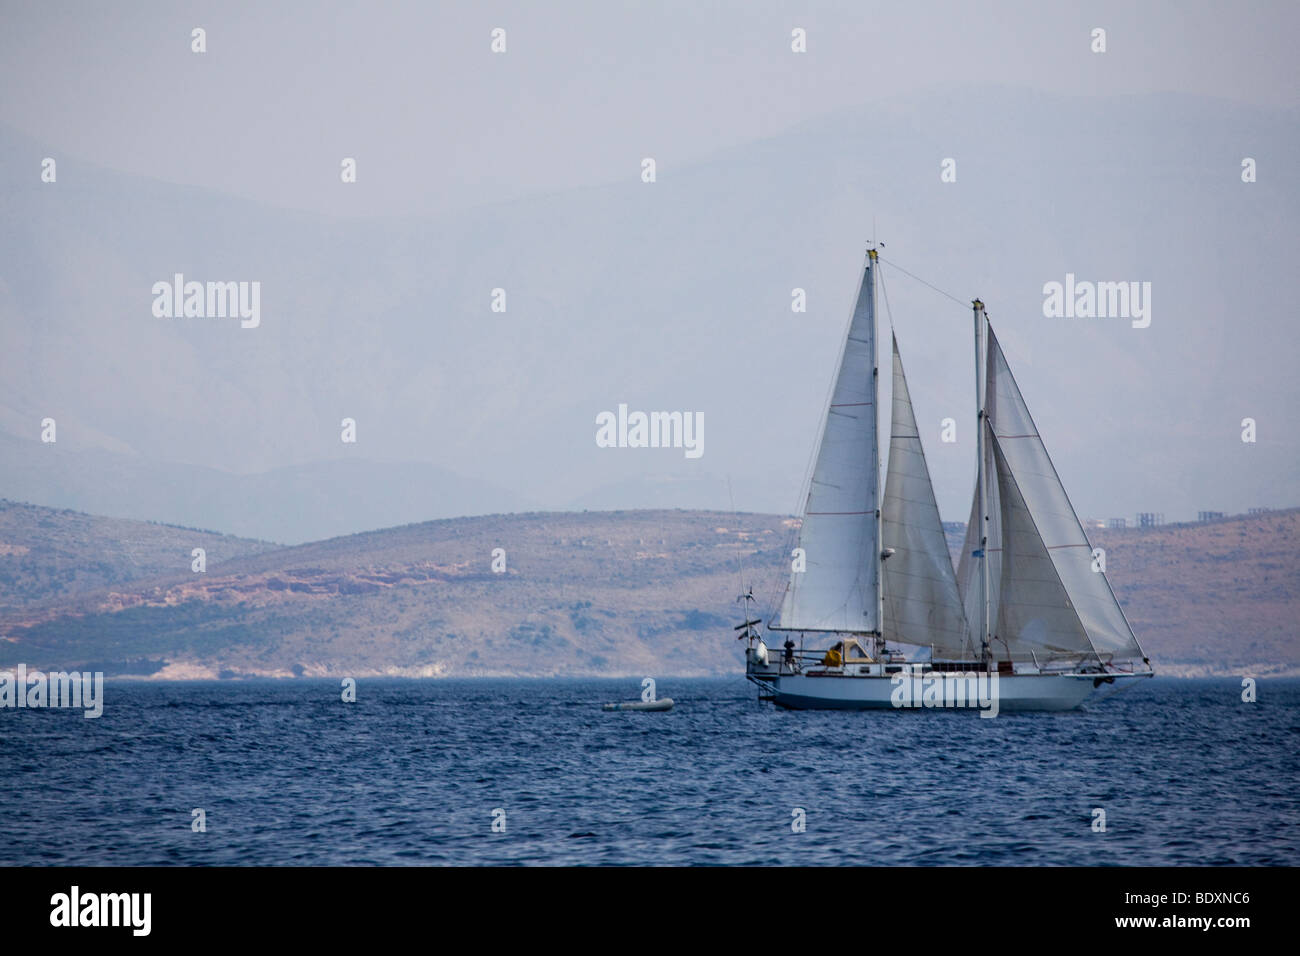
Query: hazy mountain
x=667, y=296
x=289, y=505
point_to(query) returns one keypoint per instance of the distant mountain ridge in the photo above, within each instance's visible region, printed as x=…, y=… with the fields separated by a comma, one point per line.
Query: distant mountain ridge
x=629, y=593
x=289, y=505
x=672, y=295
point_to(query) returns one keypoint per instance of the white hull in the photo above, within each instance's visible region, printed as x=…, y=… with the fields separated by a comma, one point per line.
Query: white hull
x=888, y=687
x=1011, y=693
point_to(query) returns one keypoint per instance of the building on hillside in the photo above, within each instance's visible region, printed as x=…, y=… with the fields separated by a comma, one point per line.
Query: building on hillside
x=1204, y=516
x=1150, y=519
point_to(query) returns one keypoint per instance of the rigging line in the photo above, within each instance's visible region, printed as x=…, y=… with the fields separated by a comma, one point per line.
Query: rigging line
x=885, y=293
x=895, y=265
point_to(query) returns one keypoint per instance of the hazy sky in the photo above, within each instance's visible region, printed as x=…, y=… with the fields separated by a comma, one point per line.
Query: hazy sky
x=584, y=90
x=478, y=170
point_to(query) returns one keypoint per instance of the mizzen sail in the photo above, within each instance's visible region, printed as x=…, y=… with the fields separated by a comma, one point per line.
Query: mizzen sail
x=1050, y=598
x=973, y=554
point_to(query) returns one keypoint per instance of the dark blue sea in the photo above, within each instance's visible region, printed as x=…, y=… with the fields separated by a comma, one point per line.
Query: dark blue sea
x=412, y=772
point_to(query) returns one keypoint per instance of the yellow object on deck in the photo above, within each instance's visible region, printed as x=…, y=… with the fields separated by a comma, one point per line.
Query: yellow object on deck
x=832, y=658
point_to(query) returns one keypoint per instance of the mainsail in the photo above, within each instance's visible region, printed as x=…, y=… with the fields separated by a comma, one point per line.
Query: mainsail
x=922, y=605
x=1047, y=598
x=839, y=587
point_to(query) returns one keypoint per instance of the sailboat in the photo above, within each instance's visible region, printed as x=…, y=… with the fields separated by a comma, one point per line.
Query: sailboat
x=1027, y=621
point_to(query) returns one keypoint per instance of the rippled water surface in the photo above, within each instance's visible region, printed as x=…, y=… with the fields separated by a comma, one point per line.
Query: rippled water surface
x=412, y=772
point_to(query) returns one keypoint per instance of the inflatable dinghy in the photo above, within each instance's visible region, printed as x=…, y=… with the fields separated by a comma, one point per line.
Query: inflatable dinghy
x=663, y=703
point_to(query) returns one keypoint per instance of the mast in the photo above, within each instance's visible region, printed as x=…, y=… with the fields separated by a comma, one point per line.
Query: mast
x=875, y=445
x=981, y=327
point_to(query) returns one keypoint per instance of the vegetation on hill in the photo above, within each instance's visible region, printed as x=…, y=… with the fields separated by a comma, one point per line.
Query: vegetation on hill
x=574, y=594
x=50, y=555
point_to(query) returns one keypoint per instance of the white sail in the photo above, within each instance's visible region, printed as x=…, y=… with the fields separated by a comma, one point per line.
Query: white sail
x=1049, y=597
x=839, y=588
x=1035, y=617
x=968, y=567
x=921, y=602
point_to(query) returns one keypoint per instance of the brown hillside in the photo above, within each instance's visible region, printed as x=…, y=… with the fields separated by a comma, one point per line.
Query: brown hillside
x=602, y=593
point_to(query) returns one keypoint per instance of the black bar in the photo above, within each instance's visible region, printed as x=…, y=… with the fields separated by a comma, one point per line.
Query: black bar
x=628, y=906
